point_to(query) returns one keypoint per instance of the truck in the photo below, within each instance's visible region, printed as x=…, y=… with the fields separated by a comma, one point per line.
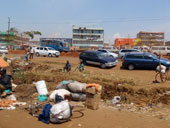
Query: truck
x=57, y=45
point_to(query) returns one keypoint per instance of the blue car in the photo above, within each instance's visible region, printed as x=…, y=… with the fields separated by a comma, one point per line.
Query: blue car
x=143, y=60
x=98, y=58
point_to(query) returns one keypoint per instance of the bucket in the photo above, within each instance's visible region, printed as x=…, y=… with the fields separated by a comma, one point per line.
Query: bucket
x=41, y=87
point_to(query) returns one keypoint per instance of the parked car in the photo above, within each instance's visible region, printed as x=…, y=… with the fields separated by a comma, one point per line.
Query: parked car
x=162, y=50
x=3, y=50
x=143, y=60
x=122, y=52
x=46, y=51
x=98, y=58
x=111, y=48
x=111, y=54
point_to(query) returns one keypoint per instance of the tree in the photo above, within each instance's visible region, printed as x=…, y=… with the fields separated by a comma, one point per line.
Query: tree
x=32, y=33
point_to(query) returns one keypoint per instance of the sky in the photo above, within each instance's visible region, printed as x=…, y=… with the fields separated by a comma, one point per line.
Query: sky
x=55, y=18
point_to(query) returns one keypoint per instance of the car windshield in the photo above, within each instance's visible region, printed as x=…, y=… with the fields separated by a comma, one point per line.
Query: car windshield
x=102, y=55
x=153, y=55
x=51, y=49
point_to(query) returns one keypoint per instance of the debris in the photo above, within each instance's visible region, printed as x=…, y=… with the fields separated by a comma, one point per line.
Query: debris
x=41, y=87
x=92, y=100
x=116, y=100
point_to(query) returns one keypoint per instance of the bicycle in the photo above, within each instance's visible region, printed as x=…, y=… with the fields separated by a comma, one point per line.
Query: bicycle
x=80, y=68
x=161, y=76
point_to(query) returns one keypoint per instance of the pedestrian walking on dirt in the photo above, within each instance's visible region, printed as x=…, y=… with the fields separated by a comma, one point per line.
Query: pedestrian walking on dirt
x=31, y=53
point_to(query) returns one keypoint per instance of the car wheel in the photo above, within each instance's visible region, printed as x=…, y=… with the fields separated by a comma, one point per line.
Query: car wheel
x=111, y=56
x=131, y=66
x=84, y=62
x=168, y=54
x=103, y=66
x=50, y=55
x=37, y=54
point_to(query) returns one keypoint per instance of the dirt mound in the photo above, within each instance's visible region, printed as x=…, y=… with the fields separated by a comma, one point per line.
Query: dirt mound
x=70, y=54
x=24, y=92
x=138, y=96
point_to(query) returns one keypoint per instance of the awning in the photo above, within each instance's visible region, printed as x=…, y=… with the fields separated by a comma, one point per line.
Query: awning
x=3, y=63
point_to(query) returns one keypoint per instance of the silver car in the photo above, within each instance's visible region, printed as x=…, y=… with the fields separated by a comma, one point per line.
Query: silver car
x=122, y=52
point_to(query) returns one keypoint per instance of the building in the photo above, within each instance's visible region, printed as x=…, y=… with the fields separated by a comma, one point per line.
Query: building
x=151, y=38
x=87, y=37
x=124, y=42
x=65, y=41
x=13, y=39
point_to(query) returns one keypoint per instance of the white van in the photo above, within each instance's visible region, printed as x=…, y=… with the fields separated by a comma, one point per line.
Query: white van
x=162, y=50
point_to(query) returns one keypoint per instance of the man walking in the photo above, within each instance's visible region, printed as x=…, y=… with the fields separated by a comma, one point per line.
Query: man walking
x=31, y=53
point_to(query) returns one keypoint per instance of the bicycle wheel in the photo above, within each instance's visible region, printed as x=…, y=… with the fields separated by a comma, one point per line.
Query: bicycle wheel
x=161, y=77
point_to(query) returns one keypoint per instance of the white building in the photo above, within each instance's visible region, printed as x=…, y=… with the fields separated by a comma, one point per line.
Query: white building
x=87, y=37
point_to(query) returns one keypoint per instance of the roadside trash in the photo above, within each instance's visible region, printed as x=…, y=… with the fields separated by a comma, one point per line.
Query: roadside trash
x=77, y=87
x=63, y=84
x=10, y=104
x=78, y=96
x=41, y=87
x=58, y=99
x=97, y=86
x=45, y=115
x=14, y=86
x=60, y=112
x=11, y=97
x=42, y=98
x=93, y=97
x=60, y=92
x=34, y=108
x=116, y=100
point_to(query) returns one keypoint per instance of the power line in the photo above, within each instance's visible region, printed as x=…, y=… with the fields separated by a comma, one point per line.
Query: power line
x=99, y=21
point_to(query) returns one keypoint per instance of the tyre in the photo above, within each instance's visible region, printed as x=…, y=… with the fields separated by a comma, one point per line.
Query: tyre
x=103, y=66
x=131, y=66
x=161, y=77
x=168, y=54
x=37, y=54
x=50, y=55
x=84, y=62
x=111, y=56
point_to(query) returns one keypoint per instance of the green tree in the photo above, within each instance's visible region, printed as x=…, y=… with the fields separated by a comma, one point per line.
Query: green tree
x=32, y=33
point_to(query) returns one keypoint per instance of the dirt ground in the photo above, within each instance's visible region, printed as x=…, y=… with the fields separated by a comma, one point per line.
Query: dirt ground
x=135, y=86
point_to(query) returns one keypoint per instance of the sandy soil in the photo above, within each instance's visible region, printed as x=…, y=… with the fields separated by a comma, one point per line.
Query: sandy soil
x=102, y=118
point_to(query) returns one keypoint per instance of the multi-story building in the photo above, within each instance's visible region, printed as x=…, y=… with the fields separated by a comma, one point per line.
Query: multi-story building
x=87, y=37
x=13, y=38
x=124, y=42
x=151, y=38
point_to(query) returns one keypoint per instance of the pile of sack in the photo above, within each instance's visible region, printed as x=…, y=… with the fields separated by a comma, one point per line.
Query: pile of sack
x=61, y=111
x=75, y=89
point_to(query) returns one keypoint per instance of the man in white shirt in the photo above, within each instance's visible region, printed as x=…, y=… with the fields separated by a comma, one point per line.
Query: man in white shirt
x=31, y=53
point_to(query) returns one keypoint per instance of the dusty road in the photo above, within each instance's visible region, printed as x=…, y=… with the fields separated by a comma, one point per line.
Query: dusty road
x=105, y=117
x=102, y=118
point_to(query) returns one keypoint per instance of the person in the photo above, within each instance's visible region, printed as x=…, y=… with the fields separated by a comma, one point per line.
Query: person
x=5, y=81
x=31, y=53
x=27, y=54
x=67, y=66
x=81, y=66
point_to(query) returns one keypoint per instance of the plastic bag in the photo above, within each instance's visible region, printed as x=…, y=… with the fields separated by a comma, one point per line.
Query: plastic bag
x=60, y=92
x=78, y=96
x=77, y=87
x=60, y=112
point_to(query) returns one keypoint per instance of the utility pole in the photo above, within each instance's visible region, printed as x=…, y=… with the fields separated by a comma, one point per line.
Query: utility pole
x=8, y=27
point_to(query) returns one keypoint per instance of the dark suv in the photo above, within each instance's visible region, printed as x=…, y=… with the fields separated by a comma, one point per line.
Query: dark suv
x=143, y=60
x=97, y=58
